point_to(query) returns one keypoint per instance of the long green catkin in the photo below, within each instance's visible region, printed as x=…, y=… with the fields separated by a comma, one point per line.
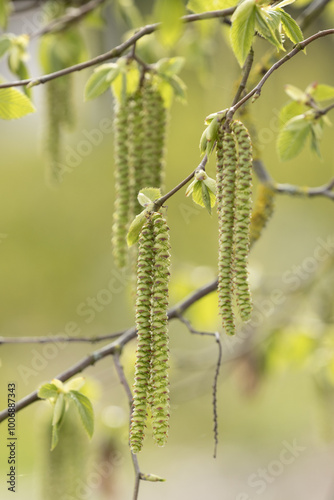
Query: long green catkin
x=154, y=126
x=243, y=209
x=159, y=400
x=226, y=172
x=122, y=185
x=143, y=324
x=136, y=135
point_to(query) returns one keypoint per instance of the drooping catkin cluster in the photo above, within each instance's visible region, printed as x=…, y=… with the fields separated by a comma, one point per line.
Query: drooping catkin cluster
x=151, y=386
x=234, y=166
x=140, y=165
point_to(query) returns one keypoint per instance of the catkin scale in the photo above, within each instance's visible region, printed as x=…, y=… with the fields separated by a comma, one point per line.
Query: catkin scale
x=243, y=207
x=143, y=325
x=226, y=171
x=122, y=185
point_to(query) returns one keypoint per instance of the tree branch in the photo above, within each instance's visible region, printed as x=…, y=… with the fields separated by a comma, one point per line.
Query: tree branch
x=51, y=340
x=114, y=347
x=116, y=51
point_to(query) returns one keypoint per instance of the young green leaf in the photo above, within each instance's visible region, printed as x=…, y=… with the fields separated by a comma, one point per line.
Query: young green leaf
x=203, y=197
x=5, y=44
x=296, y=94
x=59, y=409
x=135, y=228
x=206, y=197
x=315, y=139
x=289, y=111
x=292, y=137
x=5, y=10
x=290, y=27
x=148, y=195
x=100, y=80
x=169, y=13
x=48, y=391
x=85, y=409
x=243, y=28
x=267, y=28
x=323, y=92
x=14, y=104
x=75, y=384
x=170, y=66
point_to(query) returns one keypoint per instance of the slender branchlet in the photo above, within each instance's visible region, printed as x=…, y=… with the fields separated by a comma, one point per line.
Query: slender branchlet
x=143, y=325
x=154, y=126
x=226, y=171
x=262, y=211
x=243, y=207
x=122, y=185
x=160, y=353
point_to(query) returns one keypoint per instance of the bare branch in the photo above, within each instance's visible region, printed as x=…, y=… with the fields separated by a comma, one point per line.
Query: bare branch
x=51, y=340
x=116, y=51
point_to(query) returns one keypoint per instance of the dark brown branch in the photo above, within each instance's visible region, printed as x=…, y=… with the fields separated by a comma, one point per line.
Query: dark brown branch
x=116, y=51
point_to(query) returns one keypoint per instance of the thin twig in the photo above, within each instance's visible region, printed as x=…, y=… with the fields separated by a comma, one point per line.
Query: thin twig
x=116, y=51
x=51, y=340
x=311, y=12
x=115, y=346
x=215, y=380
x=245, y=74
x=159, y=203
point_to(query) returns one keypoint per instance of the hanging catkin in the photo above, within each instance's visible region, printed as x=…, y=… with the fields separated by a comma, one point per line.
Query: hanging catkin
x=160, y=353
x=154, y=125
x=136, y=134
x=122, y=185
x=243, y=207
x=151, y=386
x=226, y=171
x=145, y=282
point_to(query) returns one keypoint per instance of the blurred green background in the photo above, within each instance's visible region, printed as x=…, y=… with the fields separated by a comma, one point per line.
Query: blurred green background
x=275, y=385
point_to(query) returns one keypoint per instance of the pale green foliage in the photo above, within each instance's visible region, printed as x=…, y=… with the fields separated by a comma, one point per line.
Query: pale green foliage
x=242, y=30
x=100, y=80
x=14, y=104
x=292, y=137
x=207, y=5
x=169, y=13
x=203, y=190
x=60, y=395
x=5, y=10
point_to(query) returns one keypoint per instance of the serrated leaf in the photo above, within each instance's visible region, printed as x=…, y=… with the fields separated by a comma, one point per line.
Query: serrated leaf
x=266, y=29
x=211, y=185
x=85, y=409
x=5, y=44
x=151, y=194
x=323, y=92
x=292, y=137
x=59, y=409
x=177, y=85
x=169, y=13
x=284, y=3
x=135, y=228
x=100, y=81
x=291, y=28
x=198, y=196
x=242, y=30
x=290, y=111
x=170, y=66
x=47, y=391
x=14, y=104
x=295, y=93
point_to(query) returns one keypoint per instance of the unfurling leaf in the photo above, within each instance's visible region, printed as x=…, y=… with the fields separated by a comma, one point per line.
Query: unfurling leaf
x=135, y=228
x=47, y=391
x=101, y=80
x=292, y=137
x=148, y=195
x=243, y=28
x=290, y=27
x=323, y=92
